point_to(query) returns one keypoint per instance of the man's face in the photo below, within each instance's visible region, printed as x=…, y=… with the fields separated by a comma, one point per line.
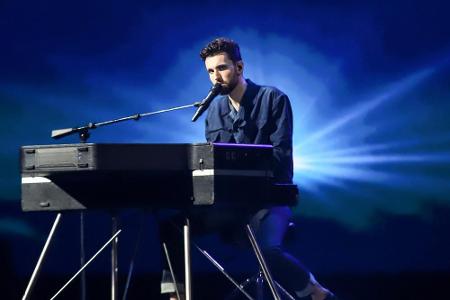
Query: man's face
x=223, y=70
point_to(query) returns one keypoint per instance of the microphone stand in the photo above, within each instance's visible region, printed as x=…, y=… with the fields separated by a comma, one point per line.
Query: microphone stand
x=84, y=133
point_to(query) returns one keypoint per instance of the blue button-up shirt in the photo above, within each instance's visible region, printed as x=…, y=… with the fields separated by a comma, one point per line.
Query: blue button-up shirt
x=264, y=117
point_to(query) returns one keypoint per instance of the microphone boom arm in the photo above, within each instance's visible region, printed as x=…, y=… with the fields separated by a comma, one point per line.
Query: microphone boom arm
x=83, y=131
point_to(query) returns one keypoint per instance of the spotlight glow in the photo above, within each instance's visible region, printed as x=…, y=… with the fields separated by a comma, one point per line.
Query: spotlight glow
x=347, y=154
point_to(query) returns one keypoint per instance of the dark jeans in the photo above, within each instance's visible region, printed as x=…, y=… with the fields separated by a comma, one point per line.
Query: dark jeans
x=270, y=226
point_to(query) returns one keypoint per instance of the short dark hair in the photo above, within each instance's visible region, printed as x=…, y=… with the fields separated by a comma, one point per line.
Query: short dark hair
x=222, y=45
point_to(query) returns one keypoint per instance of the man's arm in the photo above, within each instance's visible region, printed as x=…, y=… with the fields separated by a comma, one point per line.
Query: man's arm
x=281, y=139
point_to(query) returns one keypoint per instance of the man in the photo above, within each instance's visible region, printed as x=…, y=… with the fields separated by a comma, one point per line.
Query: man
x=252, y=114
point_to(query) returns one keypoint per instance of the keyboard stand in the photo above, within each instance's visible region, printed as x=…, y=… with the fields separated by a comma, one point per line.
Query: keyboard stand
x=114, y=283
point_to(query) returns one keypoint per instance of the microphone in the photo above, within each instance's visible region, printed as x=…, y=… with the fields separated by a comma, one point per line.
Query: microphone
x=213, y=92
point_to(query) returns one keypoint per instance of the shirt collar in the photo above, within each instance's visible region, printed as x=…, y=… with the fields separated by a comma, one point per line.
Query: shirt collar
x=249, y=94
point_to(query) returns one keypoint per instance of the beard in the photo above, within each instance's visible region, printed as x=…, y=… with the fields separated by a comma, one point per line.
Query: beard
x=228, y=88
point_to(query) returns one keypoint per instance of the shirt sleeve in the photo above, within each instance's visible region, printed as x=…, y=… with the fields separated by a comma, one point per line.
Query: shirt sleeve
x=207, y=130
x=281, y=139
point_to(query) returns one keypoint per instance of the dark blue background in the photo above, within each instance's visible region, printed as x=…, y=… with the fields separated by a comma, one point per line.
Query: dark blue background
x=369, y=84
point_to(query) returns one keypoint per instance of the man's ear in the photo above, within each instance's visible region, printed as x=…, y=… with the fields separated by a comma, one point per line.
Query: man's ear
x=240, y=66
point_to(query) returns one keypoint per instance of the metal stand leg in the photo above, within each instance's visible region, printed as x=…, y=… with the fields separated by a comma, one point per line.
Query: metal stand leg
x=262, y=263
x=131, y=268
x=187, y=261
x=260, y=286
x=37, y=268
x=221, y=269
x=172, y=273
x=114, y=266
x=82, y=258
x=259, y=281
x=256, y=279
x=86, y=264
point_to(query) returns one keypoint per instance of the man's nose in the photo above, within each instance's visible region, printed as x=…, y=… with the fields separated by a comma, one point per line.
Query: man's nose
x=217, y=77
